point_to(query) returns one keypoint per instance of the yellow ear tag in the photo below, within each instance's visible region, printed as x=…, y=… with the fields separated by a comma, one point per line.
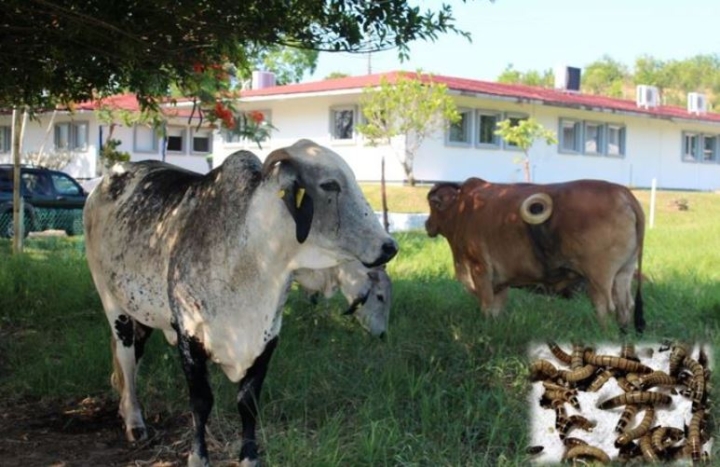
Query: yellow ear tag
x=281, y=193
x=299, y=197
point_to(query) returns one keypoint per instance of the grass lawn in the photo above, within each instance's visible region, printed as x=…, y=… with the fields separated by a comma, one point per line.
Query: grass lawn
x=444, y=388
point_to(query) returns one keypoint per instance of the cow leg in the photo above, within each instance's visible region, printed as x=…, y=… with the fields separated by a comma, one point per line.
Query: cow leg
x=247, y=402
x=489, y=304
x=128, y=346
x=622, y=294
x=194, y=363
x=600, y=291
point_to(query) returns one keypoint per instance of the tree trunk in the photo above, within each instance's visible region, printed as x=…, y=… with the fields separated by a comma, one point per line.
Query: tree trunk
x=383, y=196
x=526, y=169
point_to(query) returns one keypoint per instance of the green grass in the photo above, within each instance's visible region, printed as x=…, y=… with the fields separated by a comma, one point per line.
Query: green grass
x=445, y=388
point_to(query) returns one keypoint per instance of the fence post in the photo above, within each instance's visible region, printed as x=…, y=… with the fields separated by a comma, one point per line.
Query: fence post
x=653, y=187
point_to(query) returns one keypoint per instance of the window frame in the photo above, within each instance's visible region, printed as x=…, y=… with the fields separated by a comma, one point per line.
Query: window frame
x=467, y=127
x=183, y=135
x=622, y=143
x=497, y=140
x=601, y=143
x=155, y=140
x=693, y=156
x=73, y=132
x=578, y=137
x=5, y=139
x=715, y=149
x=332, y=126
x=191, y=141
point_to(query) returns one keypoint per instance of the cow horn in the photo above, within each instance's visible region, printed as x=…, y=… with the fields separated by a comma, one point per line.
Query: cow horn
x=536, y=208
x=277, y=155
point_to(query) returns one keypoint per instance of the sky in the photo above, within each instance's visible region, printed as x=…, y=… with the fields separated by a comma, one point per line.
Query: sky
x=544, y=34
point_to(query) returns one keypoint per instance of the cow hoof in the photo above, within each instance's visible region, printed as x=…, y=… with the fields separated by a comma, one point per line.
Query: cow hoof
x=136, y=434
x=250, y=463
x=196, y=461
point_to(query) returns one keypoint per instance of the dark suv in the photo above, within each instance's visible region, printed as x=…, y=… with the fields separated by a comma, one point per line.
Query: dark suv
x=52, y=200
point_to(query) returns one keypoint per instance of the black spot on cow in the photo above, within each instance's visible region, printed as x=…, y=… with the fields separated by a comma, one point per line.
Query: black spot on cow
x=124, y=330
x=118, y=182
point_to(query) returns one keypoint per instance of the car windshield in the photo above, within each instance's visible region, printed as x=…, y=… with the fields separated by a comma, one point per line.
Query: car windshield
x=64, y=185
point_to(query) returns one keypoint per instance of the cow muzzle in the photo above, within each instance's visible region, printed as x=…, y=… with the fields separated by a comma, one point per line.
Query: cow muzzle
x=537, y=208
x=387, y=252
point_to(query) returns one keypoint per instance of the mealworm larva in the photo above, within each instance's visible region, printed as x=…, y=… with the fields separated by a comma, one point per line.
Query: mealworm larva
x=542, y=369
x=677, y=353
x=576, y=357
x=624, y=384
x=656, y=378
x=603, y=376
x=587, y=451
x=697, y=383
x=534, y=450
x=574, y=421
x=580, y=374
x=693, y=437
x=647, y=449
x=636, y=397
x=616, y=362
x=551, y=385
x=559, y=353
x=627, y=351
x=664, y=436
x=570, y=442
x=627, y=415
x=560, y=412
x=640, y=430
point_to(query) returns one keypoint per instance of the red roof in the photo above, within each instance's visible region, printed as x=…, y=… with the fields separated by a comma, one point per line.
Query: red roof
x=519, y=92
x=130, y=102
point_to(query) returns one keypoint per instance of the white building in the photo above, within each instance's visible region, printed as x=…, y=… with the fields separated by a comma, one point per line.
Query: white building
x=628, y=142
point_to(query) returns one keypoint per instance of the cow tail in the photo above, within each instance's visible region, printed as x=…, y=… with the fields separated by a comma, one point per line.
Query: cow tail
x=640, y=231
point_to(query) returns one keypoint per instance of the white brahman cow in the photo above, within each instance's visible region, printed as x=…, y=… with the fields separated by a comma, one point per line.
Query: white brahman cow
x=208, y=259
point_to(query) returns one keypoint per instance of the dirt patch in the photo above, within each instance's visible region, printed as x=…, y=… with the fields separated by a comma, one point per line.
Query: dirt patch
x=88, y=432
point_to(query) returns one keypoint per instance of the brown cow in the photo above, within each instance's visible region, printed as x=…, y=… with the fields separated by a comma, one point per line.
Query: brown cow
x=555, y=235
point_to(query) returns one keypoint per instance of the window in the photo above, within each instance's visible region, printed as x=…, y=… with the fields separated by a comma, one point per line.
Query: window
x=709, y=148
x=176, y=140
x=487, y=125
x=342, y=123
x=593, y=136
x=690, y=146
x=145, y=139
x=459, y=132
x=71, y=136
x=202, y=141
x=5, y=139
x=615, y=140
x=570, y=132
x=64, y=185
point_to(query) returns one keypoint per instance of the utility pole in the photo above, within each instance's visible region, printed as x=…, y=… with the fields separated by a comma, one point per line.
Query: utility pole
x=18, y=222
x=369, y=63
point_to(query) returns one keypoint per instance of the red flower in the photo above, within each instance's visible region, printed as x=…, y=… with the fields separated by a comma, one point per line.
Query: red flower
x=198, y=67
x=256, y=116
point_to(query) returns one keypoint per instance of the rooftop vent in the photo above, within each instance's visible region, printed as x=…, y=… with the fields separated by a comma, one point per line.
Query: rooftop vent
x=262, y=79
x=567, y=78
x=647, y=96
x=696, y=103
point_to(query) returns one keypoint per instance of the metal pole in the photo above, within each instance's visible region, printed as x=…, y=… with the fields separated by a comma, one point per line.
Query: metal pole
x=652, y=202
x=17, y=199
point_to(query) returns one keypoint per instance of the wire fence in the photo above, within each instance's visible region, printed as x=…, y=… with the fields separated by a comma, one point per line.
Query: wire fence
x=42, y=219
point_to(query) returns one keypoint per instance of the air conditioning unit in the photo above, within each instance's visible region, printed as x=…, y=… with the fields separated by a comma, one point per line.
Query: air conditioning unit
x=263, y=79
x=697, y=103
x=567, y=78
x=647, y=96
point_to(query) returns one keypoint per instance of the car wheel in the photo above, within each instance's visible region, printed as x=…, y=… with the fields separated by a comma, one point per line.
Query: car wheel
x=7, y=227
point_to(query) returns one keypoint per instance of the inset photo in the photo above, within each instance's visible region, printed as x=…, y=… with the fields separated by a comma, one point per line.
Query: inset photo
x=645, y=402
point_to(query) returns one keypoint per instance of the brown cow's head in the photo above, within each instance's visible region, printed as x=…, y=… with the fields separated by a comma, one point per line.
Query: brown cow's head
x=440, y=198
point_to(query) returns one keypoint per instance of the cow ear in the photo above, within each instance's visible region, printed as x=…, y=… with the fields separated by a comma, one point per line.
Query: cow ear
x=443, y=196
x=301, y=207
